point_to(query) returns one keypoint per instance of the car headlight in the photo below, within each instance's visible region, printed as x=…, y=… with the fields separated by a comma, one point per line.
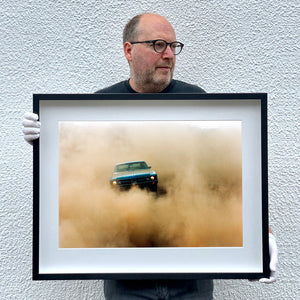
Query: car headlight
x=114, y=182
x=152, y=177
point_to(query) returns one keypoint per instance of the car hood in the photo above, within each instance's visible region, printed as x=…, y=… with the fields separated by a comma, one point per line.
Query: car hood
x=144, y=172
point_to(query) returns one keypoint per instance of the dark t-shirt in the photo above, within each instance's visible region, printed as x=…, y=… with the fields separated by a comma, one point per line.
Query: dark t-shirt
x=176, y=86
x=204, y=288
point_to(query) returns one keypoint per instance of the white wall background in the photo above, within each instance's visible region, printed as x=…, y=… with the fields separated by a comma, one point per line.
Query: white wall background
x=75, y=46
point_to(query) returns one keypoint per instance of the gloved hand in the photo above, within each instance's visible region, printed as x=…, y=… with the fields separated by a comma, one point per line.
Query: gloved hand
x=31, y=127
x=273, y=260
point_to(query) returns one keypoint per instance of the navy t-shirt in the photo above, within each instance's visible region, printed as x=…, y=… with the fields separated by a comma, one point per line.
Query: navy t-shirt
x=176, y=86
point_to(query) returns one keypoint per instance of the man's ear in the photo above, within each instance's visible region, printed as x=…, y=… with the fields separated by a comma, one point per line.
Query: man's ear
x=127, y=47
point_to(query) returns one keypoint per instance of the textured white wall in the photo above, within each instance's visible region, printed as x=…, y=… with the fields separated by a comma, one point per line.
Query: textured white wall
x=75, y=46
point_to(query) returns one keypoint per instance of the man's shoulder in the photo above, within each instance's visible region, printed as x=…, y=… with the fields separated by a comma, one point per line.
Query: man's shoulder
x=178, y=86
x=120, y=87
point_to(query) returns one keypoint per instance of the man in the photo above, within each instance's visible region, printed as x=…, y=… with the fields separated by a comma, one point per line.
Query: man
x=150, y=48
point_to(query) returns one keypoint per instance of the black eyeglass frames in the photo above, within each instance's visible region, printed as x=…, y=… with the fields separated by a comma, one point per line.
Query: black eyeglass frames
x=160, y=46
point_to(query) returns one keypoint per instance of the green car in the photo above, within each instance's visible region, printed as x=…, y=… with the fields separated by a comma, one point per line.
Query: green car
x=128, y=174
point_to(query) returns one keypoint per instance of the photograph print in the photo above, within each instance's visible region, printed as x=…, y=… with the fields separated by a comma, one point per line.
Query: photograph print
x=150, y=184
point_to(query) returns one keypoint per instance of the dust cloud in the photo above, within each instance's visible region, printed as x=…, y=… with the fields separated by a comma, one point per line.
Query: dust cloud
x=199, y=198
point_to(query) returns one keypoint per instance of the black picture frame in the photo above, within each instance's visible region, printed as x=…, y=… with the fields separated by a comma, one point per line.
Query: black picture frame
x=248, y=261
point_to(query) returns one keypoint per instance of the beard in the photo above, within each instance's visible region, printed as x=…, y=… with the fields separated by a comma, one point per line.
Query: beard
x=152, y=81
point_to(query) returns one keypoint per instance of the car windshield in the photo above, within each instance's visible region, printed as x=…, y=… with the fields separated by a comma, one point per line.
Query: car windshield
x=131, y=166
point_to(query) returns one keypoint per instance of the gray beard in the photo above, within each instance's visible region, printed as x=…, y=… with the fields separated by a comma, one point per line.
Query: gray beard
x=147, y=84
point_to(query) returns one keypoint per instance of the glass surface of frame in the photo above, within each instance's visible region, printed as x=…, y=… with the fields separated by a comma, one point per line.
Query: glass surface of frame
x=150, y=186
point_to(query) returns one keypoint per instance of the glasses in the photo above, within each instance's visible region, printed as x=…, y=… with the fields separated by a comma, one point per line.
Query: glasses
x=160, y=46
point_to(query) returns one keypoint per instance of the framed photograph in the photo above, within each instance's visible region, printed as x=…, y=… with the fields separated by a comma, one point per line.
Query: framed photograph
x=150, y=186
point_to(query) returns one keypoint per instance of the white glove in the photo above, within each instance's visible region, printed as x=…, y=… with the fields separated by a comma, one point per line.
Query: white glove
x=273, y=260
x=31, y=127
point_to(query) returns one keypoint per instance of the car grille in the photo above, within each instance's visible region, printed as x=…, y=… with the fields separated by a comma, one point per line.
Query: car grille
x=135, y=180
x=124, y=182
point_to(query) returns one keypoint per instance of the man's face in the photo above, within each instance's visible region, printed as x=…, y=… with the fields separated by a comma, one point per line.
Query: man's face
x=151, y=72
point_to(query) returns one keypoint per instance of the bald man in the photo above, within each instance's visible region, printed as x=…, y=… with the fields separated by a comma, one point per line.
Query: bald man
x=150, y=47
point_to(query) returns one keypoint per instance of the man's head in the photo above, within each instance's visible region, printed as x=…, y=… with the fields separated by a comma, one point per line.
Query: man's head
x=150, y=71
